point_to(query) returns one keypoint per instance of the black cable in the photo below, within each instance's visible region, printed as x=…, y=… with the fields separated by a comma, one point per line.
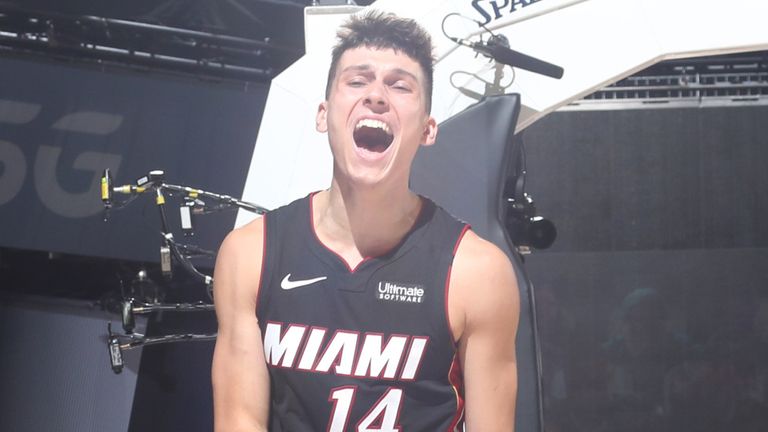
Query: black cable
x=140, y=340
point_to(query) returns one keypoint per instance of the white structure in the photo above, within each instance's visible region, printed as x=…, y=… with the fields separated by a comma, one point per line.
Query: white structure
x=597, y=42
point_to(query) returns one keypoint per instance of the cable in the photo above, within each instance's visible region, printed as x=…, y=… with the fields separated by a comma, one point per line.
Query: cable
x=455, y=39
x=116, y=343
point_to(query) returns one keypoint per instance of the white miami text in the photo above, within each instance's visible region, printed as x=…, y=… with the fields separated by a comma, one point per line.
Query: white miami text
x=345, y=352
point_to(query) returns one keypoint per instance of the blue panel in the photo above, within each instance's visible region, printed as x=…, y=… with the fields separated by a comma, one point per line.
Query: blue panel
x=55, y=369
x=61, y=125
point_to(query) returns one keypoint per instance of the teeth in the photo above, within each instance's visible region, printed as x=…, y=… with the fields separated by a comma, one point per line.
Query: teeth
x=371, y=123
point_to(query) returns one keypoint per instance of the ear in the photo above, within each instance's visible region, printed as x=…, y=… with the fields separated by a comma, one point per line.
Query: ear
x=321, y=118
x=430, y=132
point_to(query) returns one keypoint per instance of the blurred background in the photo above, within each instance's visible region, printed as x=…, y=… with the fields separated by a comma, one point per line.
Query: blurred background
x=652, y=300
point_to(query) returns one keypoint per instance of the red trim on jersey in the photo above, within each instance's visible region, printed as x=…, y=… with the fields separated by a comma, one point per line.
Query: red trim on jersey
x=312, y=226
x=378, y=422
x=339, y=357
x=408, y=355
x=284, y=332
x=263, y=259
x=400, y=360
x=336, y=401
x=455, y=374
x=352, y=270
x=448, y=283
x=466, y=228
x=304, y=349
x=456, y=378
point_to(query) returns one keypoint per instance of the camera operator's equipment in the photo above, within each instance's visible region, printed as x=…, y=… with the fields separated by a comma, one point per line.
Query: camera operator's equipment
x=115, y=353
x=144, y=296
x=525, y=227
x=497, y=48
x=131, y=307
x=117, y=343
x=106, y=189
x=170, y=249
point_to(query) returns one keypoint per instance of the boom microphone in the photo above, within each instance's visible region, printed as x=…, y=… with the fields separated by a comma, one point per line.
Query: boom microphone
x=495, y=48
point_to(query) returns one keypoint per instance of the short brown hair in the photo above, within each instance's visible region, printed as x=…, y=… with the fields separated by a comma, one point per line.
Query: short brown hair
x=381, y=30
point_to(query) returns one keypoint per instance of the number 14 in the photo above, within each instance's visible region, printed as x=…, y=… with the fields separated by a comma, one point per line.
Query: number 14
x=386, y=409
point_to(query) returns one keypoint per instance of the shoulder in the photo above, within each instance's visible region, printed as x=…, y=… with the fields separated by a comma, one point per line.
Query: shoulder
x=238, y=263
x=479, y=260
x=483, y=285
x=243, y=241
x=246, y=245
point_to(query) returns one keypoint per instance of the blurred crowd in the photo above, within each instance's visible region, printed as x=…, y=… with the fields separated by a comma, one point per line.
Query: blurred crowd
x=698, y=365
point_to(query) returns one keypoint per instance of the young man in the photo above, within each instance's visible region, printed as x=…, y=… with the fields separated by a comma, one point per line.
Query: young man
x=366, y=307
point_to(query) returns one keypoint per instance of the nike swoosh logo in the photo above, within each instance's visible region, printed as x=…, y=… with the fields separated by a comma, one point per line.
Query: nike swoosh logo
x=288, y=284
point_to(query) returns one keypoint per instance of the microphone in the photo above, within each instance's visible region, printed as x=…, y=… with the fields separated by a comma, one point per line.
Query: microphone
x=106, y=188
x=129, y=189
x=115, y=352
x=129, y=322
x=155, y=177
x=165, y=261
x=469, y=93
x=497, y=48
x=185, y=211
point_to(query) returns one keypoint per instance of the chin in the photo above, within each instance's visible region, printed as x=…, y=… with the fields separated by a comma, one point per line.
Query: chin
x=366, y=179
x=366, y=176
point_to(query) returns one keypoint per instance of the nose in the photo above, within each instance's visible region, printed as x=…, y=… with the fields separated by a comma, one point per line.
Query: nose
x=376, y=99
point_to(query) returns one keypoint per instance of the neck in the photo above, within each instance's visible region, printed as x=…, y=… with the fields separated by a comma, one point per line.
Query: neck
x=358, y=223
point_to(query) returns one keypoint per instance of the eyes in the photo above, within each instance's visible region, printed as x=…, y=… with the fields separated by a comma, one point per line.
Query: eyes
x=400, y=85
x=356, y=83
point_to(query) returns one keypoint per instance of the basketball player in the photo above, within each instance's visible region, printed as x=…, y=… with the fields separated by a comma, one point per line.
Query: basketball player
x=366, y=307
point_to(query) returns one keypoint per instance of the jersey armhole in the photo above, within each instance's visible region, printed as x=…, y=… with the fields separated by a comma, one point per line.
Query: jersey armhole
x=264, y=277
x=464, y=230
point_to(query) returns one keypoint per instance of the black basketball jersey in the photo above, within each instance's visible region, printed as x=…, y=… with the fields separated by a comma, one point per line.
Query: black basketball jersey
x=363, y=349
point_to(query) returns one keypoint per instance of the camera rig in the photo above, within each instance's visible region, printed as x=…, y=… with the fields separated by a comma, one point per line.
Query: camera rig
x=194, y=202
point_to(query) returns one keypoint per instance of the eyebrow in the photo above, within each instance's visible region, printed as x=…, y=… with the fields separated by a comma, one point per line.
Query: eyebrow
x=367, y=67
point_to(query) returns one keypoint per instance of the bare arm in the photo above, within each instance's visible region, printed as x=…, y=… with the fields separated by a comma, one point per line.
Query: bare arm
x=239, y=372
x=484, y=306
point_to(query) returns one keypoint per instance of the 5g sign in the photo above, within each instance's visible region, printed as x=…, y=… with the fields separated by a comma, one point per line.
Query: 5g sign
x=15, y=168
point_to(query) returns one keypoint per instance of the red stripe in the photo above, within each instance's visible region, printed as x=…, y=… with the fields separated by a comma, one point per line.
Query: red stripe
x=445, y=305
x=448, y=283
x=466, y=228
x=456, y=378
x=263, y=259
x=455, y=375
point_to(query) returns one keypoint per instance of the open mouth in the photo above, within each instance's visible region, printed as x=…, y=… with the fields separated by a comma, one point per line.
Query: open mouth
x=373, y=135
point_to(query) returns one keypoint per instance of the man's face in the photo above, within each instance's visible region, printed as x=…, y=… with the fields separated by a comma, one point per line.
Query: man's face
x=375, y=116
